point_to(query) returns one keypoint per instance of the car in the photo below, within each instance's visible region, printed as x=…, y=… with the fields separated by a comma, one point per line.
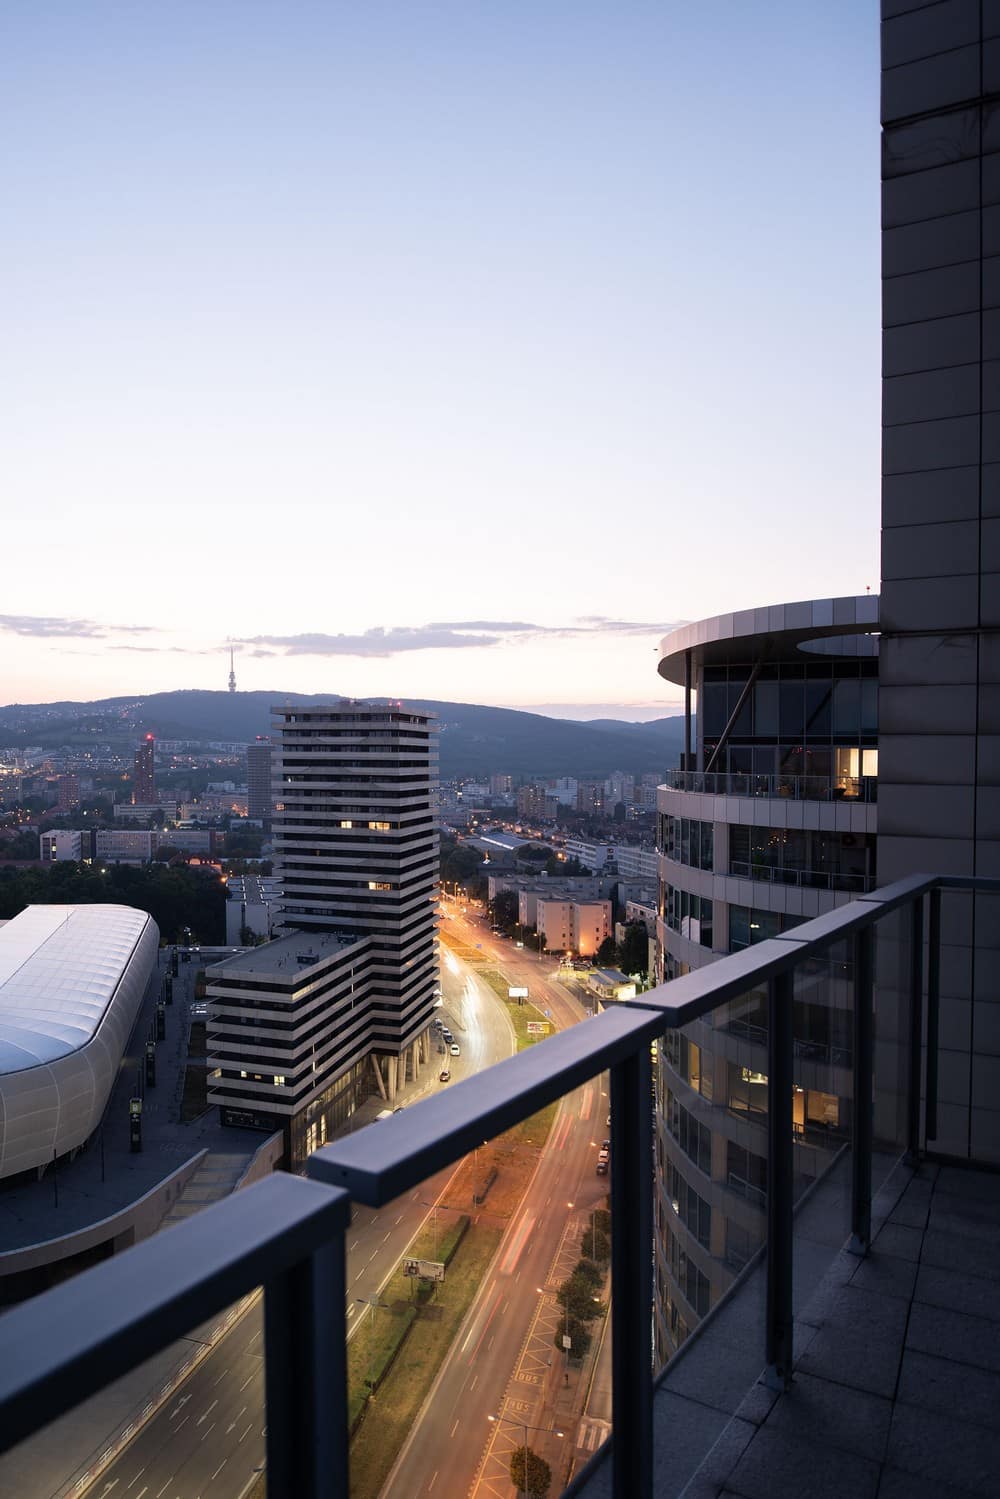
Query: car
x=518, y=944
x=607, y=1146
x=602, y=1167
x=456, y=1050
x=444, y=1077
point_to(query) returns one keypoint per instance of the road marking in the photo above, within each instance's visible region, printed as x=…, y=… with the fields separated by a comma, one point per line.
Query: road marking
x=232, y=1424
x=182, y=1402
x=249, y=1428
x=351, y=1309
x=109, y=1486
x=471, y=1333
x=454, y=1428
x=143, y=1490
x=209, y=1430
x=246, y=1382
x=355, y=1244
x=180, y=1424
x=137, y=1477
x=204, y=1417
x=398, y=1221
x=473, y=1384
x=219, y=1468
x=221, y=1377
x=431, y=1484
x=386, y=1239
x=165, y=1486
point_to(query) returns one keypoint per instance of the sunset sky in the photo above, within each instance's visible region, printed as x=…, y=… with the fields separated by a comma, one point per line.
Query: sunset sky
x=448, y=350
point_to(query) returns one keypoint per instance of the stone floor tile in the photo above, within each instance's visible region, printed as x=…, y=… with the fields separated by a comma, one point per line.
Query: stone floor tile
x=720, y=1462
x=886, y=1275
x=963, y=1253
x=898, y=1239
x=860, y=1343
x=757, y=1404
x=982, y=1186
x=833, y=1415
x=944, y=1450
x=949, y=1334
x=962, y=1390
x=971, y=1294
x=775, y=1466
x=683, y=1432
x=896, y=1484
x=911, y=1212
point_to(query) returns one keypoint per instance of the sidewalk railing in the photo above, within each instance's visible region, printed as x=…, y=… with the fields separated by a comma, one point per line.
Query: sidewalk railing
x=289, y=1234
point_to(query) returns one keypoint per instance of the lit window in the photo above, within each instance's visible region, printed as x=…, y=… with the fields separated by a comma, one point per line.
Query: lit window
x=279, y=1080
x=379, y=885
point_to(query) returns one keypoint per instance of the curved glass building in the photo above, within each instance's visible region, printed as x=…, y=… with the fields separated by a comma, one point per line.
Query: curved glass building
x=770, y=820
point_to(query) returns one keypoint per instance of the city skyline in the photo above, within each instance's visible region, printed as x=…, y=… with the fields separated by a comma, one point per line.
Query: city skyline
x=430, y=323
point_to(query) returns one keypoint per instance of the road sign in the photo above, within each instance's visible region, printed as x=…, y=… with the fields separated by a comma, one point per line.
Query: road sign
x=425, y=1269
x=567, y=1342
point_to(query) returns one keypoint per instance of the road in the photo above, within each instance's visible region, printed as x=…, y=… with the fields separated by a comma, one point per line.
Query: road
x=505, y=1361
x=208, y=1441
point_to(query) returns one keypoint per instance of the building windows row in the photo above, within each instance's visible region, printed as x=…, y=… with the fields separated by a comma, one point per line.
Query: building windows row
x=693, y=1283
x=820, y=700
x=688, y=841
x=795, y=856
x=688, y=915
x=693, y=1211
x=690, y=1062
x=693, y=1137
x=748, y=926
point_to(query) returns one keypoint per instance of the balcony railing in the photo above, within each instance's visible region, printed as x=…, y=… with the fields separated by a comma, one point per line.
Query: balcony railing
x=801, y=788
x=804, y=879
x=288, y=1234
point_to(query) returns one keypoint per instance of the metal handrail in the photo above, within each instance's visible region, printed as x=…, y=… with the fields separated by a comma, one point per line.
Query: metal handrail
x=810, y=788
x=289, y=1234
x=808, y=879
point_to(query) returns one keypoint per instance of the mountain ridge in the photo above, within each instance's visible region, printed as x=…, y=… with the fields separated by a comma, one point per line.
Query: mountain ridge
x=475, y=739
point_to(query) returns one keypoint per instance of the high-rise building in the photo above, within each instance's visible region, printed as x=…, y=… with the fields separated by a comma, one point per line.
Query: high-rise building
x=939, y=730
x=68, y=788
x=355, y=964
x=144, y=775
x=259, y=796
x=775, y=825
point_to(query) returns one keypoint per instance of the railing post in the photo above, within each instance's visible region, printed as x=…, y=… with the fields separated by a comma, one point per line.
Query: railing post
x=916, y=1028
x=780, y=1180
x=933, y=1013
x=305, y=1339
x=861, y=1172
x=632, y=1277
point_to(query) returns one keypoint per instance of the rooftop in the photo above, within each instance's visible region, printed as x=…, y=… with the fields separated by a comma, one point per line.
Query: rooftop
x=300, y=953
x=844, y=624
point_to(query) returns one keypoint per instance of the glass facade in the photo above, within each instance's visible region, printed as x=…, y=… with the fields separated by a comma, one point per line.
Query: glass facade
x=816, y=860
x=687, y=841
x=688, y=915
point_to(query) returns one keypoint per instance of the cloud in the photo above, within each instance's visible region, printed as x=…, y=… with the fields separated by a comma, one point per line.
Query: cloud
x=440, y=635
x=46, y=627
x=52, y=627
x=376, y=642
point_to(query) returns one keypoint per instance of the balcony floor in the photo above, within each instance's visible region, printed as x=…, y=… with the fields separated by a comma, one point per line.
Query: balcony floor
x=896, y=1392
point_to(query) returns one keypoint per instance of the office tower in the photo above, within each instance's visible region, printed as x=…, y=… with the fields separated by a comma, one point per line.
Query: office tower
x=776, y=825
x=144, y=776
x=939, y=734
x=354, y=968
x=259, y=799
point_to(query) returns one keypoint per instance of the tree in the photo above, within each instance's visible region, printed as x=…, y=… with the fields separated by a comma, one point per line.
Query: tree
x=504, y=910
x=607, y=953
x=596, y=1246
x=579, y=1334
x=529, y=1473
x=633, y=952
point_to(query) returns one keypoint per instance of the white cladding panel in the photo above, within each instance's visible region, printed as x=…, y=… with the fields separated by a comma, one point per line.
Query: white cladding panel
x=72, y=979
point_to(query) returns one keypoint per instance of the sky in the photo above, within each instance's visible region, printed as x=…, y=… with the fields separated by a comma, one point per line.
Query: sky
x=453, y=350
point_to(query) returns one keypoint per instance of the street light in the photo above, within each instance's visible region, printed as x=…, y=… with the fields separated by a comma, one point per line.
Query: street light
x=516, y=1421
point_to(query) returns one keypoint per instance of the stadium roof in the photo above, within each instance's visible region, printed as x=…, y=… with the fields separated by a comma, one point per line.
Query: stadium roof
x=59, y=969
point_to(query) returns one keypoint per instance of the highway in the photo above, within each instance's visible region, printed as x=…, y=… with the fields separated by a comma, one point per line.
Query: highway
x=207, y=1442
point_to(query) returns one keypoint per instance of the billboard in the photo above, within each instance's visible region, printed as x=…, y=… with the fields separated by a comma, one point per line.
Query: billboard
x=425, y=1269
x=538, y=1027
x=515, y=993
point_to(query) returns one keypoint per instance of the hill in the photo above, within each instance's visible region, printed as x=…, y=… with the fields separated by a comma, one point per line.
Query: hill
x=475, y=740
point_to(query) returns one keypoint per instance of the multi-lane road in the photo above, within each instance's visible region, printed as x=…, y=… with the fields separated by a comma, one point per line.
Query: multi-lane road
x=207, y=1441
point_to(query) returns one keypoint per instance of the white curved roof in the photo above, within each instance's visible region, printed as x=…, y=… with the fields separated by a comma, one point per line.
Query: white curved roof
x=59, y=969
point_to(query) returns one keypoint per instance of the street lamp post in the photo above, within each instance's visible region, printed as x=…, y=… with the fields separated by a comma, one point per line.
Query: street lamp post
x=374, y=1303
x=516, y=1421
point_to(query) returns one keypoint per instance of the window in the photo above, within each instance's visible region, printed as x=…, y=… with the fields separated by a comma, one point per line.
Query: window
x=695, y=1139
